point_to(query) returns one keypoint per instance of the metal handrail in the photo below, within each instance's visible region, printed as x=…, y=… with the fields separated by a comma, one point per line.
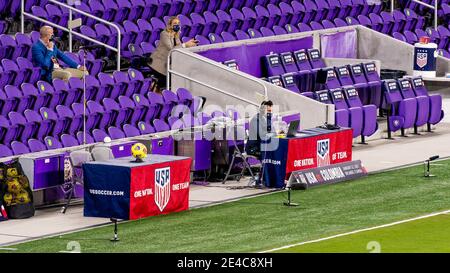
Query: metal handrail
x=220, y=66
x=435, y=8
x=70, y=31
x=215, y=88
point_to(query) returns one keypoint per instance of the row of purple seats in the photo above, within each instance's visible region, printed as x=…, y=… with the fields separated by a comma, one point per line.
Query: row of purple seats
x=410, y=106
x=18, y=72
x=137, y=112
x=349, y=110
x=18, y=48
x=441, y=36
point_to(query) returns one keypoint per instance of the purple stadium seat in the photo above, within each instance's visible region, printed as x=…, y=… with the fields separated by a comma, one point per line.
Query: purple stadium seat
x=331, y=81
x=89, y=138
x=275, y=80
x=19, y=148
x=399, y=36
x=5, y=151
x=303, y=27
x=322, y=10
x=122, y=80
x=156, y=103
x=237, y=19
x=133, y=114
x=369, y=117
x=355, y=113
x=287, y=13
x=7, y=47
x=365, y=21
x=10, y=68
x=402, y=114
x=315, y=58
x=115, y=133
x=340, y=23
x=227, y=37
x=273, y=66
x=137, y=10
x=68, y=141
x=160, y=125
x=170, y=100
x=52, y=143
x=72, y=123
x=413, y=21
x=288, y=62
x=436, y=113
x=263, y=16
x=359, y=82
x=375, y=83
x=310, y=11
x=38, y=99
x=316, y=26
x=328, y=24
x=306, y=75
x=422, y=103
x=224, y=22
x=341, y=116
x=399, y=21
x=99, y=135
x=214, y=38
x=241, y=35
x=57, y=124
x=32, y=74
x=71, y=95
x=278, y=30
x=388, y=22
x=36, y=145
x=410, y=37
x=253, y=33
x=351, y=21
x=211, y=23
x=22, y=102
x=26, y=129
x=377, y=22
x=131, y=131
x=266, y=32
x=145, y=128
x=289, y=83
x=276, y=15
x=299, y=13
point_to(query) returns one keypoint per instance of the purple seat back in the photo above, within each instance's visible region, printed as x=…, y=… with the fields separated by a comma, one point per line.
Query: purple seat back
x=344, y=75
x=288, y=61
x=315, y=58
x=273, y=65
x=19, y=148
x=289, y=82
x=36, y=145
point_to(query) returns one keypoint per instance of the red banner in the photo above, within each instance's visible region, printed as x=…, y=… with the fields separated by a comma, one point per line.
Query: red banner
x=159, y=188
x=319, y=151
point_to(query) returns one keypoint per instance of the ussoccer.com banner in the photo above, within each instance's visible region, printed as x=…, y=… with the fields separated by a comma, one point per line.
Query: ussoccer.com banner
x=124, y=190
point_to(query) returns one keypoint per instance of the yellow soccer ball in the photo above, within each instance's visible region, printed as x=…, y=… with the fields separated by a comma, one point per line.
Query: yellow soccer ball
x=8, y=198
x=13, y=185
x=139, y=151
x=23, y=197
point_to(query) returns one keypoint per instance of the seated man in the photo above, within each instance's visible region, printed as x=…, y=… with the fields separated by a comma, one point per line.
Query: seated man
x=46, y=55
x=259, y=128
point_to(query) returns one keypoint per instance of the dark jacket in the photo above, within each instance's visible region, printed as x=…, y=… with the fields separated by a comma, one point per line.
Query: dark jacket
x=42, y=57
x=259, y=127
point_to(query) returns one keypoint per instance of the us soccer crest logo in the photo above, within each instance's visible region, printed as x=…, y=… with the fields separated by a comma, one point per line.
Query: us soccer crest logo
x=422, y=59
x=162, y=187
x=323, y=152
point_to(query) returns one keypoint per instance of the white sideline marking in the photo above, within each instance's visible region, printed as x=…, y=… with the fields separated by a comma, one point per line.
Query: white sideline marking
x=358, y=231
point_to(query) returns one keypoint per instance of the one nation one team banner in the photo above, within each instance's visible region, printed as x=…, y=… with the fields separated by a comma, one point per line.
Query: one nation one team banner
x=124, y=190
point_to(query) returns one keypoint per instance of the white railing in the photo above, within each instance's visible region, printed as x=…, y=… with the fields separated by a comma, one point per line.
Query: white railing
x=71, y=31
x=435, y=8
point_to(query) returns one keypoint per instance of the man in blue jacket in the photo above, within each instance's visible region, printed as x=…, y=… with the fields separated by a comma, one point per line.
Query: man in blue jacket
x=46, y=56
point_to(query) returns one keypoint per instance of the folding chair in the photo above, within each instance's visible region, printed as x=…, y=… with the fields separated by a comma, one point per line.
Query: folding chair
x=102, y=153
x=77, y=159
x=245, y=157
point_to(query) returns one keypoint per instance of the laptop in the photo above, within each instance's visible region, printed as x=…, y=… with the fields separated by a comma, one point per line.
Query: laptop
x=293, y=128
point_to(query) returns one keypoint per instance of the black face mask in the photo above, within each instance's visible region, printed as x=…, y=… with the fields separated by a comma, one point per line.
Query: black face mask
x=52, y=38
x=176, y=28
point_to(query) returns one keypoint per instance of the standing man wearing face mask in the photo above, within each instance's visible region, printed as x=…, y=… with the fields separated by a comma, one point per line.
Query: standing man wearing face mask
x=46, y=55
x=169, y=39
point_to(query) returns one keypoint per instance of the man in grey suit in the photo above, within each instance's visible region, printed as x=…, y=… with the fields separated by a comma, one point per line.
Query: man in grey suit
x=169, y=39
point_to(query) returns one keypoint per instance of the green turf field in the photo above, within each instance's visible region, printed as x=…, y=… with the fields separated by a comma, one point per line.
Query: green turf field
x=424, y=235
x=263, y=223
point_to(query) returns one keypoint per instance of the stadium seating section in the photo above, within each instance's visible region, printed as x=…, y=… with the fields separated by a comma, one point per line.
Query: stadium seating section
x=36, y=115
x=141, y=21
